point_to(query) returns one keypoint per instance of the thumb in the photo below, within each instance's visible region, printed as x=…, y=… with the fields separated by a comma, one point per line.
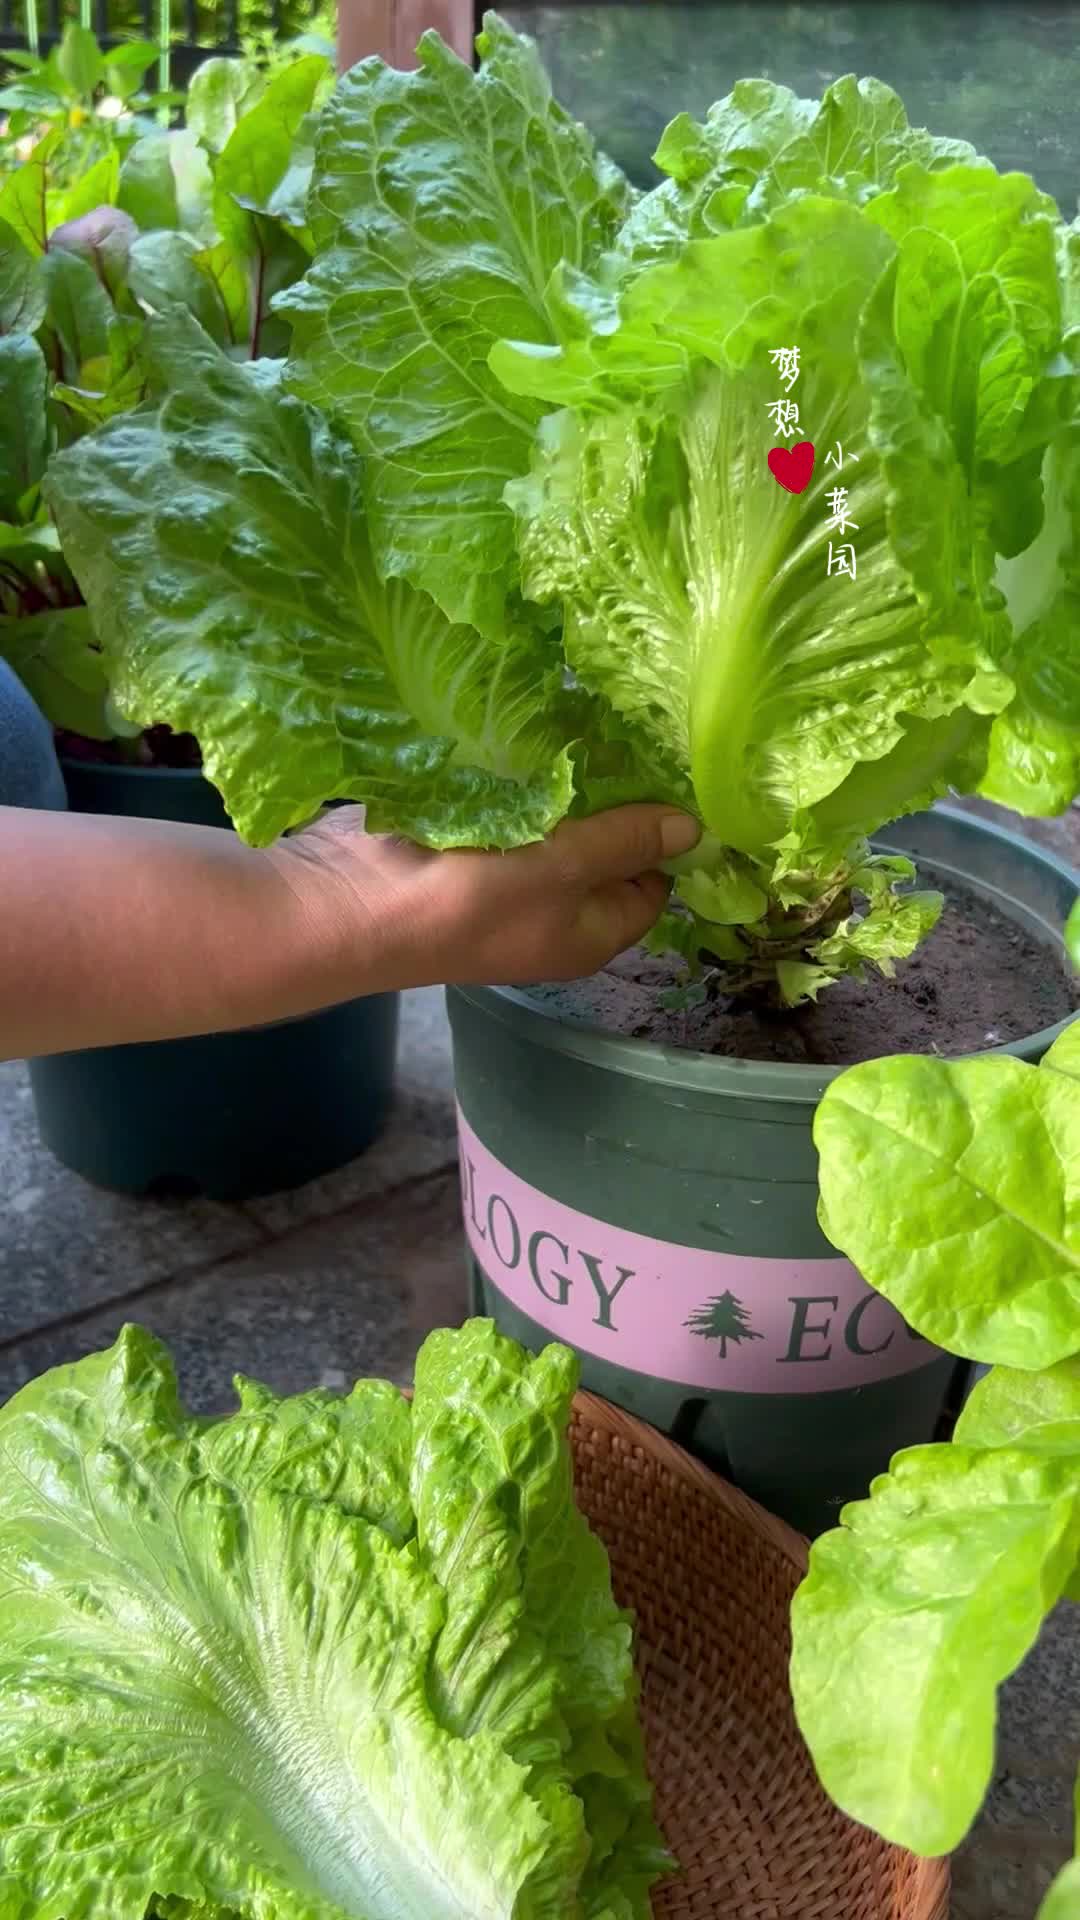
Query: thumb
x=622, y=843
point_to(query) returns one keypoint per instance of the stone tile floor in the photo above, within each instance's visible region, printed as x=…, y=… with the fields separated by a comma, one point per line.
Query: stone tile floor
x=345, y=1277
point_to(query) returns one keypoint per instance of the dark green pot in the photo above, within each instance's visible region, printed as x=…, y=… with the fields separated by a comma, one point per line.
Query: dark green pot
x=229, y=1115
x=615, y=1191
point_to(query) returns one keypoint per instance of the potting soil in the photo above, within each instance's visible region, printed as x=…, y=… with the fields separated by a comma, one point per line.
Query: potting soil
x=978, y=980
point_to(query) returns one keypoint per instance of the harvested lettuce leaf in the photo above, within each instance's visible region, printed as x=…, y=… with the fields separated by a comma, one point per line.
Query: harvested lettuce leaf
x=324, y=1657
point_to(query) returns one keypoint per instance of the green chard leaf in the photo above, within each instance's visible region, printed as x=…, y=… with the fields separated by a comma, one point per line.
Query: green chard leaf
x=95, y=190
x=983, y=1254
x=1063, y=1900
x=220, y=544
x=252, y=259
x=79, y=60
x=24, y=443
x=24, y=195
x=22, y=288
x=165, y=181
x=166, y=270
x=219, y=93
x=80, y=315
x=266, y=164
x=60, y=664
x=433, y=240
x=104, y=239
x=915, y=1609
x=1037, y=1412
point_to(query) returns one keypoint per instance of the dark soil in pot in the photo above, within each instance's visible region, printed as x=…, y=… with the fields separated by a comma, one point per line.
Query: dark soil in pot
x=978, y=980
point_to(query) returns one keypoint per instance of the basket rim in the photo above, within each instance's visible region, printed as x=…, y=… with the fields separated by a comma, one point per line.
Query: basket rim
x=929, y=1889
x=630, y=1428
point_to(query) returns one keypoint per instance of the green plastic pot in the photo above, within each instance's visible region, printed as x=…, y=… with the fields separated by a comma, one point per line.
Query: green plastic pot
x=228, y=1115
x=657, y=1210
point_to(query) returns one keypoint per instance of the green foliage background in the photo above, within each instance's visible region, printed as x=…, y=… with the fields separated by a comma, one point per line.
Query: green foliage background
x=213, y=19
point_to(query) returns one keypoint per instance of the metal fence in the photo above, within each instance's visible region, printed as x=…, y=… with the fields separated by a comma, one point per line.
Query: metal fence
x=189, y=28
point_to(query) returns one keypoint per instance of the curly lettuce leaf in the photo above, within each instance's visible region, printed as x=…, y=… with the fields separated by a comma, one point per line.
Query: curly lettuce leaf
x=695, y=591
x=914, y=1611
x=220, y=542
x=533, y=1645
x=434, y=238
x=981, y=1254
x=227, y=1635
x=762, y=145
x=221, y=1687
x=797, y=708
x=1034, y=759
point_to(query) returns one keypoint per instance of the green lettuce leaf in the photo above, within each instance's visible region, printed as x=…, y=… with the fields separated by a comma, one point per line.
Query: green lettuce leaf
x=954, y=1186
x=533, y=1646
x=1034, y=759
x=762, y=145
x=221, y=547
x=434, y=239
x=1072, y=936
x=914, y=1610
x=242, y=1702
x=1064, y=1055
x=694, y=589
x=257, y=1676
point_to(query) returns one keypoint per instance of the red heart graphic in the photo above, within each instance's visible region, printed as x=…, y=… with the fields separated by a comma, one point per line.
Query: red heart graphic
x=792, y=466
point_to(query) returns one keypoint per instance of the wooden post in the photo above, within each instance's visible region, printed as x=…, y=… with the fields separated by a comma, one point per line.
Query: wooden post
x=393, y=27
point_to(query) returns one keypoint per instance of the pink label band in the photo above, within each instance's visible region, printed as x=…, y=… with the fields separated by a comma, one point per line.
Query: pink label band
x=714, y=1320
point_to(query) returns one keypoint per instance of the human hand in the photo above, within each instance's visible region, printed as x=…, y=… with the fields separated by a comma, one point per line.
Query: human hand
x=557, y=910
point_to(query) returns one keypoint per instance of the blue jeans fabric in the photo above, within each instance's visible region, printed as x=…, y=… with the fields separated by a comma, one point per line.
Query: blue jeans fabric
x=29, y=770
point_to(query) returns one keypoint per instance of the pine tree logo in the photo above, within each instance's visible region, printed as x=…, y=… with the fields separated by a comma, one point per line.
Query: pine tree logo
x=723, y=1319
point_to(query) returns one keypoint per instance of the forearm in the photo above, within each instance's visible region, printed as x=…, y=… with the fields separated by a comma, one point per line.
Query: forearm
x=124, y=930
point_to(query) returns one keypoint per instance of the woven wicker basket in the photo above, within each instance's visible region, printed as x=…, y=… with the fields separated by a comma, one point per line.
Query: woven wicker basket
x=710, y=1578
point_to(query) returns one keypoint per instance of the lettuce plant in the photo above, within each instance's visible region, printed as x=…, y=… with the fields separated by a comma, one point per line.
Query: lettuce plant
x=207, y=221
x=956, y=1186
x=528, y=409
x=331, y=1656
